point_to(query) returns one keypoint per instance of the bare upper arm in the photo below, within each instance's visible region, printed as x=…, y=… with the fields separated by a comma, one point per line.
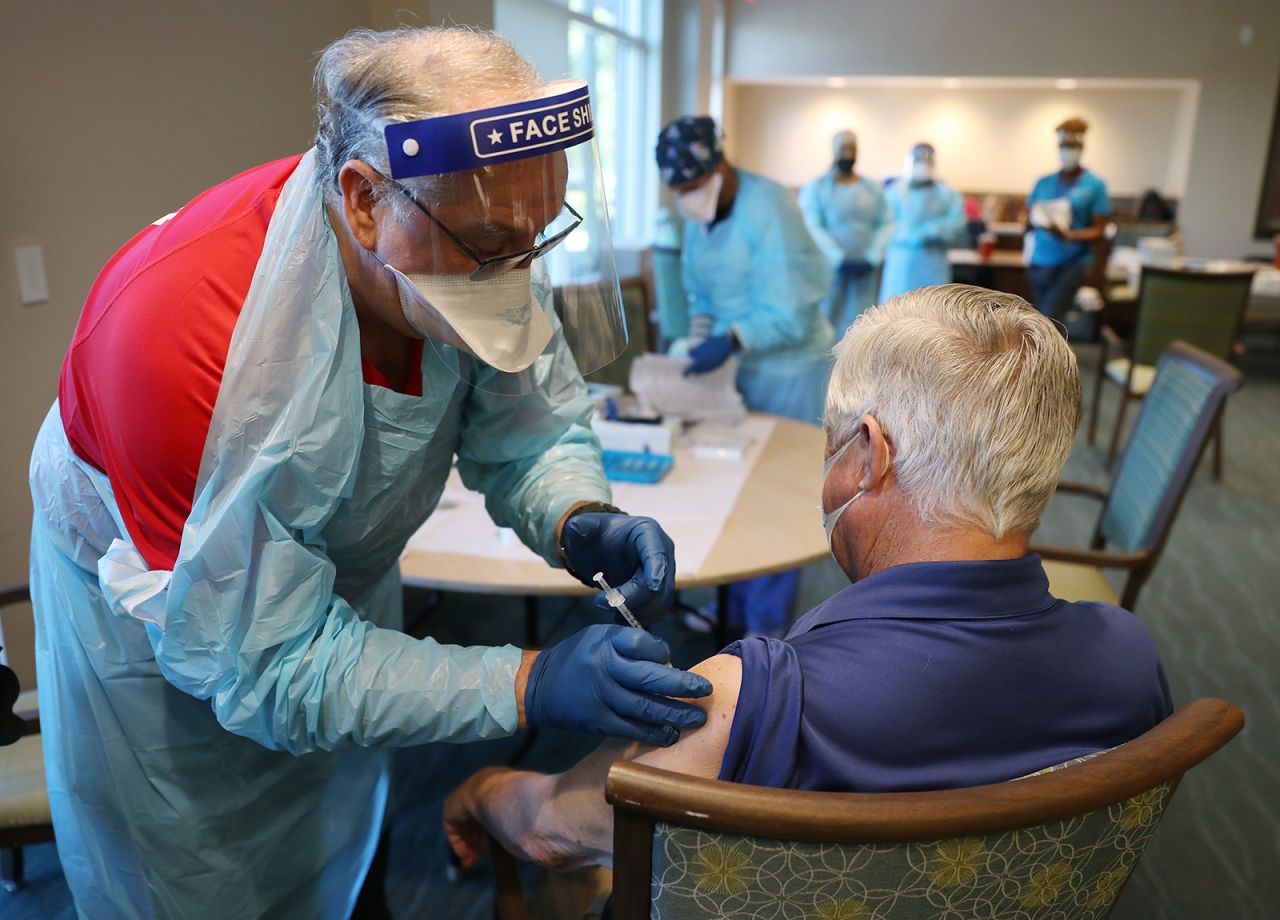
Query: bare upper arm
x=572, y=824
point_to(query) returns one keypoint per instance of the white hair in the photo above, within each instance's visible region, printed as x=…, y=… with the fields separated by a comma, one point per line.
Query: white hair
x=367, y=80
x=978, y=396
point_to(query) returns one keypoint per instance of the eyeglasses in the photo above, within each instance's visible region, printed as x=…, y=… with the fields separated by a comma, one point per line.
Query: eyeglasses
x=492, y=266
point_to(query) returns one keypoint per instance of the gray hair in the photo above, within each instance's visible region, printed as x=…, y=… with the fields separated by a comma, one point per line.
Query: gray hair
x=367, y=80
x=978, y=395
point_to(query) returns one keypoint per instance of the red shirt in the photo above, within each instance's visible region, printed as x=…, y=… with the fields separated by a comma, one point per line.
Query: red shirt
x=141, y=377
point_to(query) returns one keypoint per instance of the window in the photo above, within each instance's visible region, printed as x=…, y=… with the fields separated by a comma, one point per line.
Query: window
x=615, y=46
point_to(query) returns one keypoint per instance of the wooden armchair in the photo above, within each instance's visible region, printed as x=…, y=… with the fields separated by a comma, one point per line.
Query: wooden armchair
x=1061, y=843
x=1182, y=407
x=1203, y=309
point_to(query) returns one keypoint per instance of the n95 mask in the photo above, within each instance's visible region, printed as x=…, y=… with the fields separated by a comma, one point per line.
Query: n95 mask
x=498, y=319
x=700, y=204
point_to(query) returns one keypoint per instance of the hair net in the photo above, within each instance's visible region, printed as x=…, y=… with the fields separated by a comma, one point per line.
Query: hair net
x=688, y=148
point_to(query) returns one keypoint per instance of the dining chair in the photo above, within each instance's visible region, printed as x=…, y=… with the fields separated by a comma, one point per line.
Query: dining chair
x=1059, y=844
x=1199, y=307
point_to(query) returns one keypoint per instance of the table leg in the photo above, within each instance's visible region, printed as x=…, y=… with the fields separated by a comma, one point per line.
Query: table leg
x=531, y=621
x=722, y=617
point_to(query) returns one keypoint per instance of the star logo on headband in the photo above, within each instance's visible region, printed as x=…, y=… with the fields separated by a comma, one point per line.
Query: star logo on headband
x=495, y=136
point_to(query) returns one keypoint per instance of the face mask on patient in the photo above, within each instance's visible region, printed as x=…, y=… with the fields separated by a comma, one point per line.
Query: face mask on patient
x=830, y=518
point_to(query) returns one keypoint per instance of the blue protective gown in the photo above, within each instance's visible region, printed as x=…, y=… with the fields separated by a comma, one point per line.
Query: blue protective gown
x=926, y=220
x=759, y=273
x=849, y=222
x=216, y=735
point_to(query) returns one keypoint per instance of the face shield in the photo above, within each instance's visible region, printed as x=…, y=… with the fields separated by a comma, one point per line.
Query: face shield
x=509, y=266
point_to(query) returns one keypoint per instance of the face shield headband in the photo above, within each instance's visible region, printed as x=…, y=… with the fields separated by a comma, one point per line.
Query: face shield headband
x=574, y=287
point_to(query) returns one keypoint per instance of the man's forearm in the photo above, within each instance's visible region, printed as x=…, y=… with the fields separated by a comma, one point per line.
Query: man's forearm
x=548, y=819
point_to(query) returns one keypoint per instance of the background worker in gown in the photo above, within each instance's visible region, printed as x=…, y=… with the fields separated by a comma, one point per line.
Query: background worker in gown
x=755, y=281
x=1061, y=255
x=261, y=403
x=849, y=220
x=928, y=216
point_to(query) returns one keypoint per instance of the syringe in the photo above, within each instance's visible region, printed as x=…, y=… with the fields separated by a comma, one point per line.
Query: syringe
x=616, y=601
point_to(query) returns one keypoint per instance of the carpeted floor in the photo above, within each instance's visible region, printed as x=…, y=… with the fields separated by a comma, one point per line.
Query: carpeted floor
x=1213, y=606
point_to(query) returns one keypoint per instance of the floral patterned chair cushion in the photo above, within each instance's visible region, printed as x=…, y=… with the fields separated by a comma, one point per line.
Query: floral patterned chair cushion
x=1067, y=869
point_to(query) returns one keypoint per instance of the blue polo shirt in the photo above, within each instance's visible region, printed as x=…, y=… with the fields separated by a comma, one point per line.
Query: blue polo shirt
x=937, y=675
x=1089, y=199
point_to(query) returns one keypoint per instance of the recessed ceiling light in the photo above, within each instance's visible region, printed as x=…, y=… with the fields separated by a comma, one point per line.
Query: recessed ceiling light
x=837, y=82
x=1065, y=84
x=951, y=83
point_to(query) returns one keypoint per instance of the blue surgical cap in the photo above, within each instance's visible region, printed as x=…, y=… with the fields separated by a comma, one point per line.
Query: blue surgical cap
x=688, y=148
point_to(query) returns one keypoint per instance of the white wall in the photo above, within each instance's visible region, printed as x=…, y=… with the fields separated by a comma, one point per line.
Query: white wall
x=114, y=114
x=997, y=139
x=1085, y=38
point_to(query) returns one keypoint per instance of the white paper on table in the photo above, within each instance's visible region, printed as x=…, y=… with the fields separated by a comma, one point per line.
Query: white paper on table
x=692, y=503
x=660, y=383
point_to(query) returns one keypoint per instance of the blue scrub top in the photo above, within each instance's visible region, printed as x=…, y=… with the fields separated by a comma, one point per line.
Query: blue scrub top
x=938, y=675
x=1089, y=199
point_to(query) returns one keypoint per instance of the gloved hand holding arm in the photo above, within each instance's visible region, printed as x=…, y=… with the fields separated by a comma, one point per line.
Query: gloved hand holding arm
x=611, y=680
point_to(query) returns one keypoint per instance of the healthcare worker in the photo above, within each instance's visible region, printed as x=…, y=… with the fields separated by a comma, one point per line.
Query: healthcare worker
x=1068, y=212
x=849, y=220
x=928, y=216
x=755, y=281
x=261, y=402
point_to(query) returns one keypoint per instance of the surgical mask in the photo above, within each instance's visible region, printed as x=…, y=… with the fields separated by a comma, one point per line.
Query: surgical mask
x=831, y=518
x=921, y=171
x=845, y=166
x=498, y=319
x=700, y=204
x=1069, y=157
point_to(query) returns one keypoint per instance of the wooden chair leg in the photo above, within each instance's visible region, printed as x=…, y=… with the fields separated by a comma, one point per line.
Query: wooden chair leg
x=1217, y=449
x=11, y=868
x=1115, y=434
x=1097, y=394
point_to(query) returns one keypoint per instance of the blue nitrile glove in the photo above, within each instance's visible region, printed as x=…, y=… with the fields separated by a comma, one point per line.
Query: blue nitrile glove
x=853, y=269
x=612, y=680
x=709, y=354
x=634, y=553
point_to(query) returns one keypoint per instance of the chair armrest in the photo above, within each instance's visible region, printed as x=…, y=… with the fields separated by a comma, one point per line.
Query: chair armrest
x=1084, y=488
x=1102, y=558
x=508, y=894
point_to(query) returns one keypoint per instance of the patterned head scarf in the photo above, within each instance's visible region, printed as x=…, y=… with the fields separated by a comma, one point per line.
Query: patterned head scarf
x=688, y=148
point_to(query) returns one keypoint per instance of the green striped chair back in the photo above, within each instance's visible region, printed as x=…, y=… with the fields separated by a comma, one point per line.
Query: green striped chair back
x=1201, y=308
x=1173, y=425
x=669, y=292
x=635, y=309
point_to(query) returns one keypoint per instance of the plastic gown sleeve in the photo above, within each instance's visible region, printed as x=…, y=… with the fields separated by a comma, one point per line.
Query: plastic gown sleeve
x=882, y=233
x=946, y=228
x=534, y=455
x=810, y=201
x=248, y=618
x=789, y=279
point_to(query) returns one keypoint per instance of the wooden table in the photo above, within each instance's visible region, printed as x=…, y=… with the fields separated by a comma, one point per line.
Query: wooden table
x=1004, y=270
x=775, y=525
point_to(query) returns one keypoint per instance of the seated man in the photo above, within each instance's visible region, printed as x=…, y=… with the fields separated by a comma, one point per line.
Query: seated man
x=946, y=663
